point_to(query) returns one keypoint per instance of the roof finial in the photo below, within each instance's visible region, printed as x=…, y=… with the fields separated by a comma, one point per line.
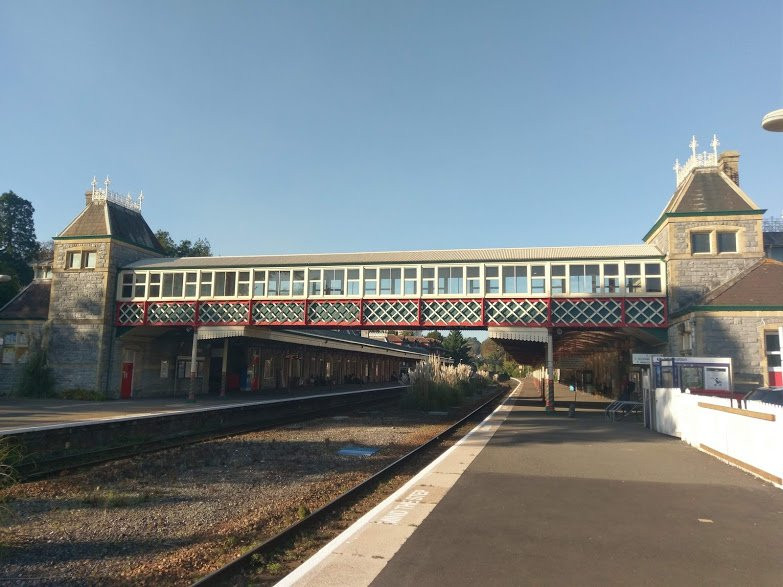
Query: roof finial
x=693, y=144
x=715, y=144
x=676, y=167
x=107, y=183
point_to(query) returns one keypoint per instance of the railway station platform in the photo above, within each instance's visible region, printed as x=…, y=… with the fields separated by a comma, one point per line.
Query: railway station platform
x=24, y=415
x=535, y=498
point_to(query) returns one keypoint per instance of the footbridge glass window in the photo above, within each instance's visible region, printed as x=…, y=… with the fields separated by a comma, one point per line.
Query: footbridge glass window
x=583, y=279
x=450, y=280
x=492, y=279
x=225, y=283
x=191, y=279
x=298, y=282
x=514, y=279
x=473, y=275
x=279, y=283
x=410, y=281
x=173, y=285
x=633, y=277
x=611, y=278
x=333, y=282
x=259, y=283
x=353, y=282
x=127, y=285
x=391, y=283
x=538, y=279
x=314, y=276
x=428, y=280
x=652, y=277
x=557, y=281
x=155, y=280
x=370, y=282
x=205, y=290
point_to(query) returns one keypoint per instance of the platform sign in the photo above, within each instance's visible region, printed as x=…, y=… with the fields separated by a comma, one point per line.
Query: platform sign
x=570, y=363
x=642, y=359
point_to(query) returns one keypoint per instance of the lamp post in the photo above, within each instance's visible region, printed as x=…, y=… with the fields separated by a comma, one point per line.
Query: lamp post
x=773, y=121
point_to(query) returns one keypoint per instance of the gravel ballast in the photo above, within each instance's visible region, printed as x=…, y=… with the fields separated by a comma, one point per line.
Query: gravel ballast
x=170, y=517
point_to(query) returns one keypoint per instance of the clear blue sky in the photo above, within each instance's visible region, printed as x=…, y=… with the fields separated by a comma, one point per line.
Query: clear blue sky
x=281, y=127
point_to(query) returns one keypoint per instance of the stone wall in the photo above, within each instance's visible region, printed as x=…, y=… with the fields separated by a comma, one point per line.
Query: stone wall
x=82, y=313
x=691, y=276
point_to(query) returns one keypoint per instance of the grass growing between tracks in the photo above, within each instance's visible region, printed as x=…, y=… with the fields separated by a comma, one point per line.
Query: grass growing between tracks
x=437, y=386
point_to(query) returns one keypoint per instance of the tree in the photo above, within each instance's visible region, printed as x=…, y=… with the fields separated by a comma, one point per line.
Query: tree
x=17, y=229
x=492, y=355
x=18, y=247
x=435, y=335
x=456, y=347
x=185, y=248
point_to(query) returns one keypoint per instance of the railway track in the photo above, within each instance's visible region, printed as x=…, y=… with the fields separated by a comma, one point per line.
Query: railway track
x=35, y=466
x=232, y=573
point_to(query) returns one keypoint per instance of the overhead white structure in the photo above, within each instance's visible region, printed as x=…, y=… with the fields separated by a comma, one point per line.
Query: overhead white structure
x=773, y=121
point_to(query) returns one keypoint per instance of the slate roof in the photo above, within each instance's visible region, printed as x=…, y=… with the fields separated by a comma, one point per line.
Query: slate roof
x=111, y=219
x=759, y=285
x=31, y=303
x=711, y=191
x=437, y=256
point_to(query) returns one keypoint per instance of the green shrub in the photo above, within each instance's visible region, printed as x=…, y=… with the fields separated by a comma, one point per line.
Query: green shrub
x=82, y=394
x=37, y=378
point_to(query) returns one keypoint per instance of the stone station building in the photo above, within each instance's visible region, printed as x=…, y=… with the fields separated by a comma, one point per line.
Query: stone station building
x=101, y=310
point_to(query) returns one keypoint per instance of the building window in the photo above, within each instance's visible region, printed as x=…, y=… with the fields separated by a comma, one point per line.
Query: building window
x=538, y=279
x=205, y=290
x=391, y=281
x=279, y=283
x=772, y=344
x=727, y=242
x=81, y=260
x=491, y=280
x=314, y=276
x=633, y=277
x=298, y=283
x=191, y=279
x=127, y=285
x=428, y=280
x=700, y=242
x=474, y=280
x=611, y=278
x=583, y=279
x=652, y=275
x=243, y=283
x=259, y=283
x=557, y=280
x=333, y=282
x=353, y=282
x=449, y=280
x=14, y=347
x=370, y=282
x=515, y=279
x=409, y=274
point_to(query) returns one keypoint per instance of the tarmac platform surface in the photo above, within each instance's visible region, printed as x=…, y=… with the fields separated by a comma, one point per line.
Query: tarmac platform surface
x=531, y=498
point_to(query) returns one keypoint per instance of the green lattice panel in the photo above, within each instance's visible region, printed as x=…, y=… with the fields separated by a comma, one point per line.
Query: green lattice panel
x=130, y=313
x=165, y=313
x=278, y=313
x=223, y=312
x=645, y=311
x=512, y=312
x=333, y=312
x=451, y=312
x=587, y=312
x=391, y=312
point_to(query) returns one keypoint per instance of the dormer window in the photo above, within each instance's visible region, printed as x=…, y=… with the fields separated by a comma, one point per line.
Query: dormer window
x=727, y=242
x=700, y=242
x=81, y=260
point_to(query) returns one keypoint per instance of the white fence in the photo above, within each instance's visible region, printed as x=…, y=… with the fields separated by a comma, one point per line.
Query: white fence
x=748, y=436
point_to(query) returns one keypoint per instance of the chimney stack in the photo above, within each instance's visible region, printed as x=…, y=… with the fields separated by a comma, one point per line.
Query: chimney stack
x=728, y=163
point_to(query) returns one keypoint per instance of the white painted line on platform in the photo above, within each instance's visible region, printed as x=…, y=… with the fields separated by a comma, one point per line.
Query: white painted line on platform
x=357, y=569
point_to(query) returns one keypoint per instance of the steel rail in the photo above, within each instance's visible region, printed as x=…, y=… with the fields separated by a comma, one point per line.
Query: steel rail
x=236, y=565
x=40, y=470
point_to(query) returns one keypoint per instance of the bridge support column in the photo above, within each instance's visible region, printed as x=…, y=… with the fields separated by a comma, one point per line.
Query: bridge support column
x=224, y=369
x=550, y=372
x=193, y=367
